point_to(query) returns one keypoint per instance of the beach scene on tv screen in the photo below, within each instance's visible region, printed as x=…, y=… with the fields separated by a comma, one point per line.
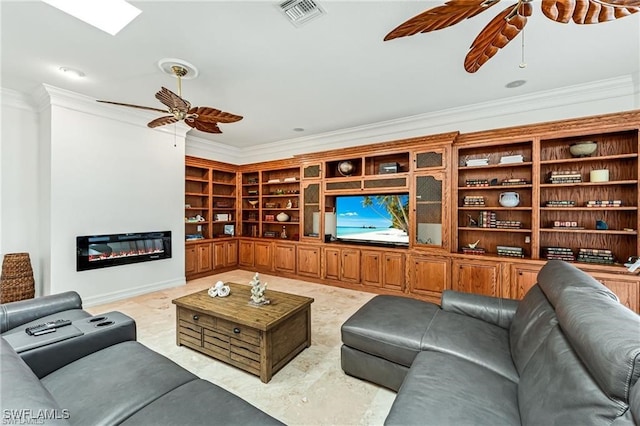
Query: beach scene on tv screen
x=374, y=218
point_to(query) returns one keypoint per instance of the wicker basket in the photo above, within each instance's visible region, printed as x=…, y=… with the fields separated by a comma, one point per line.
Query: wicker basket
x=16, y=281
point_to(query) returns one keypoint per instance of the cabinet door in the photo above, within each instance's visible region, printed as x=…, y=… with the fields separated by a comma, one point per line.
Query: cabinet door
x=205, y=263
x=430, y=275
x=309, y=261
x=523, y=277
x=332, y=263
x=246, y=253
x=628, y=291
x=371, y=268
x=478, y=277
x=431, y=210
x=263, y=257
x=231, y=253
x=284, y=258
x=219, y=255
x=393, y=269
x=190, y=260
x=350, y=265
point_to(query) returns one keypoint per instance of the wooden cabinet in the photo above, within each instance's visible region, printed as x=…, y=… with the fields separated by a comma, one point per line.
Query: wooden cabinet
x=198, y=260
x=522, y=276
x=308, y=261
x=371, y=268
x=394, y=271
x=626, y=288
x=263, y=255
x=342, y=264
x=225, y=254
x=246, y=255
x=477, y=276
x=284, y=258
x=430, y=276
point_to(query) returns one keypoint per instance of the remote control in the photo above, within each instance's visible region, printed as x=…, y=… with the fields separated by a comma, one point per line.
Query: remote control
x=39, y=329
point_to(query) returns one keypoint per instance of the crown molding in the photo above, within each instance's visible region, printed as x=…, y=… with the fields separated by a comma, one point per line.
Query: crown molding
x=512, y=111
x=46, y=96
x=14, y=99
x=204, y=148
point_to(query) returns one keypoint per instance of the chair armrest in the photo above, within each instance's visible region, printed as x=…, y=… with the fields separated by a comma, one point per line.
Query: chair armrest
x=494, y=310
x=14, y=314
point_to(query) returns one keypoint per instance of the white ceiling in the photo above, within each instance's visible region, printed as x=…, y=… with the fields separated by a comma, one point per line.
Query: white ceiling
x=333, y=73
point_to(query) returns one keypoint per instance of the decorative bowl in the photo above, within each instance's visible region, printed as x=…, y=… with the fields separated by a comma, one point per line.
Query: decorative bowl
x=583, y=149
x=346, y=168
x=282, y=217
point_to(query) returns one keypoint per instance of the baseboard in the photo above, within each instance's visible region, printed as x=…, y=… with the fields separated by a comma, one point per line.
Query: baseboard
x=124, y=294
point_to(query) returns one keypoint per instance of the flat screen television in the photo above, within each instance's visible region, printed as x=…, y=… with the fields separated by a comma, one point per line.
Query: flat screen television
x=381, y=219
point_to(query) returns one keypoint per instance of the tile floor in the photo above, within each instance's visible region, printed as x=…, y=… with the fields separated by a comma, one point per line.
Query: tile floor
x=311, y=390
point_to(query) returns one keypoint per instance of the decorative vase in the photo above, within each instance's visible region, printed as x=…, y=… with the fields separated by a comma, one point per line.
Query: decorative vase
x=282, y=217
x=509, y=199
x=346, y=168
x=16, y=281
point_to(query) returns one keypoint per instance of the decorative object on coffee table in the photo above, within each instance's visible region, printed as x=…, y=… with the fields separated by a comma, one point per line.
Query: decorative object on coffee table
x=16, y=281
x=219, y=290
x=257, y=291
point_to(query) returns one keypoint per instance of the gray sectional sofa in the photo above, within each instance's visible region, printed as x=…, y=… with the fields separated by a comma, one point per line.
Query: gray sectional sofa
x=101, y=377
x=568, y=353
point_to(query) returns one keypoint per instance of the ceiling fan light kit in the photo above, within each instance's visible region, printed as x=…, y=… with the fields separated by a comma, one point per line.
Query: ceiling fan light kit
x=205, y=119
x=510, y=22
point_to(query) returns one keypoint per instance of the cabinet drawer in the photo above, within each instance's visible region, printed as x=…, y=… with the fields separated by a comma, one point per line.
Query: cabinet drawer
x=190, y=333
x=237, y=331
x=216, y=342
x=196, y=318
x=246, y=350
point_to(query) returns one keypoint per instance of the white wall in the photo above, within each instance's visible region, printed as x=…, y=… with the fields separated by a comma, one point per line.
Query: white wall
x=90, y=170
x=19, y=204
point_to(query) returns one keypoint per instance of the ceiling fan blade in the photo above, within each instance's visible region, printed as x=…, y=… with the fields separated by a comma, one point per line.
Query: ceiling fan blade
x=134, y=106
x=173, y=101
x=588, y=11
x=496, y=35
x=167, y=119
x=212, y=115
x=440, y=17
x=203, y=126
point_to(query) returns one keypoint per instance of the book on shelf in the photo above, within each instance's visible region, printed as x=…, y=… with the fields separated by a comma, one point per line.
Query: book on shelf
x=514, y=181
x=476, y=250
x=476, y=182
x=558, y=253
x=510, y=251
x=511, y=159
x=589, y=255
x=508, y=224
x=604, y=203
x=487, y=219
x=473, y=200
x=564, y=176
x=477, y=162
x=560, y=203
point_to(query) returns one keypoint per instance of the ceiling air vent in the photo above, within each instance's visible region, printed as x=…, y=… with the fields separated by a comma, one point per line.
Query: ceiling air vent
x=299, y=12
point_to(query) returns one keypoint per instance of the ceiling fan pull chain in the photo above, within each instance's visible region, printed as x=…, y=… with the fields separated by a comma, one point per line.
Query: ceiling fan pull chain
x=523, y=64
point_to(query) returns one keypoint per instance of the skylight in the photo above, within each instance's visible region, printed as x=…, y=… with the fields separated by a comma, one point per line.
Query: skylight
x=108, y=15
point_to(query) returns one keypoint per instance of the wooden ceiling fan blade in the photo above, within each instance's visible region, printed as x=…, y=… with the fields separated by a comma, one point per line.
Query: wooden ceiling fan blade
x=440, y=17
x=588, y=11
x=167, y=119
x=203, y=126
x=212, y=115
x=172, y=101
x=134, y=106
x=496, y=35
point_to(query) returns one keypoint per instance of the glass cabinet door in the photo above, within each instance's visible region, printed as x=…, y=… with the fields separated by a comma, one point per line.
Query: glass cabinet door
x=311, y=211
x=429, y=211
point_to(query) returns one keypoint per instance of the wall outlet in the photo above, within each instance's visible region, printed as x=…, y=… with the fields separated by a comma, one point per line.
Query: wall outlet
x=527, y=239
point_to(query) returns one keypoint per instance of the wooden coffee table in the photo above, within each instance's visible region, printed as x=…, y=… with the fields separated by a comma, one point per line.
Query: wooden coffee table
x=257, y=339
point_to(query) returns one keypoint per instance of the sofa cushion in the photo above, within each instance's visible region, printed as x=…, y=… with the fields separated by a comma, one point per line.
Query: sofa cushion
x=556, y=276
x=441, y=389
x=110, y=385
x=200, y=403
x=475, y=340
x=22, y=396
x=390, y=327
x=635, y=402
x=532, y=323
x=556, y=388
x=372, y=368
x=606, y=337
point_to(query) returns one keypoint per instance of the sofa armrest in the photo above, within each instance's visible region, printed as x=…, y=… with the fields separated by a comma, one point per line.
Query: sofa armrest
x=494, y=310
x=14, y=314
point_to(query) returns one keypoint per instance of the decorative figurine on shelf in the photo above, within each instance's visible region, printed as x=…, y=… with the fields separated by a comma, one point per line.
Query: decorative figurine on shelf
x=289, y=204
x=219, y=290
x=473, y=245
x=283, y=234
x=472, y=222
x=257, y=292
x=601, y=225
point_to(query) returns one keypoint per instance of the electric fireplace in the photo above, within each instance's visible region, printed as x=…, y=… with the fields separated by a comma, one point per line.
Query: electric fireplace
x=101, y=251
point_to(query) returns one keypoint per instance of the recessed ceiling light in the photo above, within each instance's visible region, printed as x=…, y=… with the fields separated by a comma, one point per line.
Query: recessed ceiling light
x=298, y=129
x=71, y=72
x=108, y=15
x=515, y=83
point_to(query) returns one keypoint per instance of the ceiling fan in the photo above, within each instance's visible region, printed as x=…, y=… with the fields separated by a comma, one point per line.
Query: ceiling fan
x=510, y=22
x=205, y=119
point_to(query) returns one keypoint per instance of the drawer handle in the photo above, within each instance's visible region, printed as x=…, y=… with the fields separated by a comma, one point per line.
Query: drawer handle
x=196, y=318
x=236, y=330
